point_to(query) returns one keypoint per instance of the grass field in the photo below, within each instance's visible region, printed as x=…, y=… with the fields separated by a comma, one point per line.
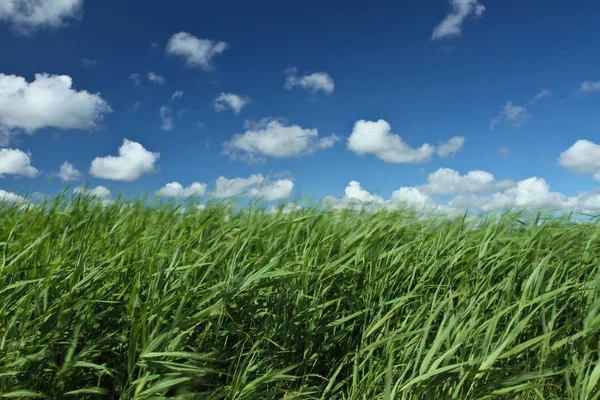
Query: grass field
x=123, y=302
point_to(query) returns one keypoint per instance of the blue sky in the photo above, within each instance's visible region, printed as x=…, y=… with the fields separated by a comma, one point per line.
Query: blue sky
x=515, y=83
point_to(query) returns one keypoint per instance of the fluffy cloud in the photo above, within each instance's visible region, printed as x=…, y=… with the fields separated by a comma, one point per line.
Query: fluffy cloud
x=166, y=117
x=196, y=52
x=176, y=190
x=48, y=101
x=517, y=115
x=376, y=137
x=256, y=186
x=100, y=192
x=132, y=162
x=27, y=15
x=412, y=197
x=272, y=138
x=355, y=192
x=583, y=157
x=155, y=78
x=460, y=10
x=68, y=172
x=178, y=94
x=452, y=146
x=231, y=101
x=10, y=197
x=318, y=81
x=589, y=87
x=447, y=181
x=16, y=162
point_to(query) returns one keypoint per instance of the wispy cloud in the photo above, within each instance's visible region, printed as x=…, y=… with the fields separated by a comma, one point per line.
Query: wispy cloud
x=155, y=78
x=460, y=10
x=589, y=87
x=516, y=115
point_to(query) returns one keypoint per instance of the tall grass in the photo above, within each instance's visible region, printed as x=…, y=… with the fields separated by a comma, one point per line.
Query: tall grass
x=122, y=302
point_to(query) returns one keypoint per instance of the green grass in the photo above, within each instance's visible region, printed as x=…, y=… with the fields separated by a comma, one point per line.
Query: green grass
x=138, y=301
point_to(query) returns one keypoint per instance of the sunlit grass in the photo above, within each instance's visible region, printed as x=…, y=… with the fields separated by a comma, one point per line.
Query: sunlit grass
x=147, y=301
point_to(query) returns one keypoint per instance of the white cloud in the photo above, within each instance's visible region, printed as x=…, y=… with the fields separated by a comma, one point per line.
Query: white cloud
x=452, y=146
x=10, y=197
x=155, y=78
x=589, y=87
x=355, y=192
x=16, y=162
x=272, y=138
x=446, y=181
x=136, y=78
x=278, y=190
x=256, y=186
x=318, y=81
x=68, y=172
x=136, y=105
x=48, y=101
x=541, y=95
x=234, y=187
x=517, y=115
x=27, y=15
x=178, y=94
x=459, y=11
x=370, y=137
x=196, y=52
x=176, y=190
x=100, y=192
x=357, y=198
x=531, y=193
x=166, y=117
x=504, y=151
x=231, y=101
x=132, y=162
x=86, y=62
x=583, y=157
x=412, y=197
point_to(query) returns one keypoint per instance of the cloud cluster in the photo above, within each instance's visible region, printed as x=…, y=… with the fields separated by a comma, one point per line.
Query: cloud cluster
x=529, y=194
x=272, y=138
x=460, y=10
x=48, y=101
x=196, y=52
x=446, y=181
x=132, y=162
x=377, y=138
x=318, y=81
x=255, y=186
x=231, y=101
x=28, y=15
x=176, y=190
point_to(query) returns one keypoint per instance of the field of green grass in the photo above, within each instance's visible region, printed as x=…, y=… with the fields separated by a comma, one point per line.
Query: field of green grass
x=139, y=302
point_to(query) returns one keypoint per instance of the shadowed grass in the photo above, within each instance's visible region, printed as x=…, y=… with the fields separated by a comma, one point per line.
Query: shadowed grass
x=123, y=301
